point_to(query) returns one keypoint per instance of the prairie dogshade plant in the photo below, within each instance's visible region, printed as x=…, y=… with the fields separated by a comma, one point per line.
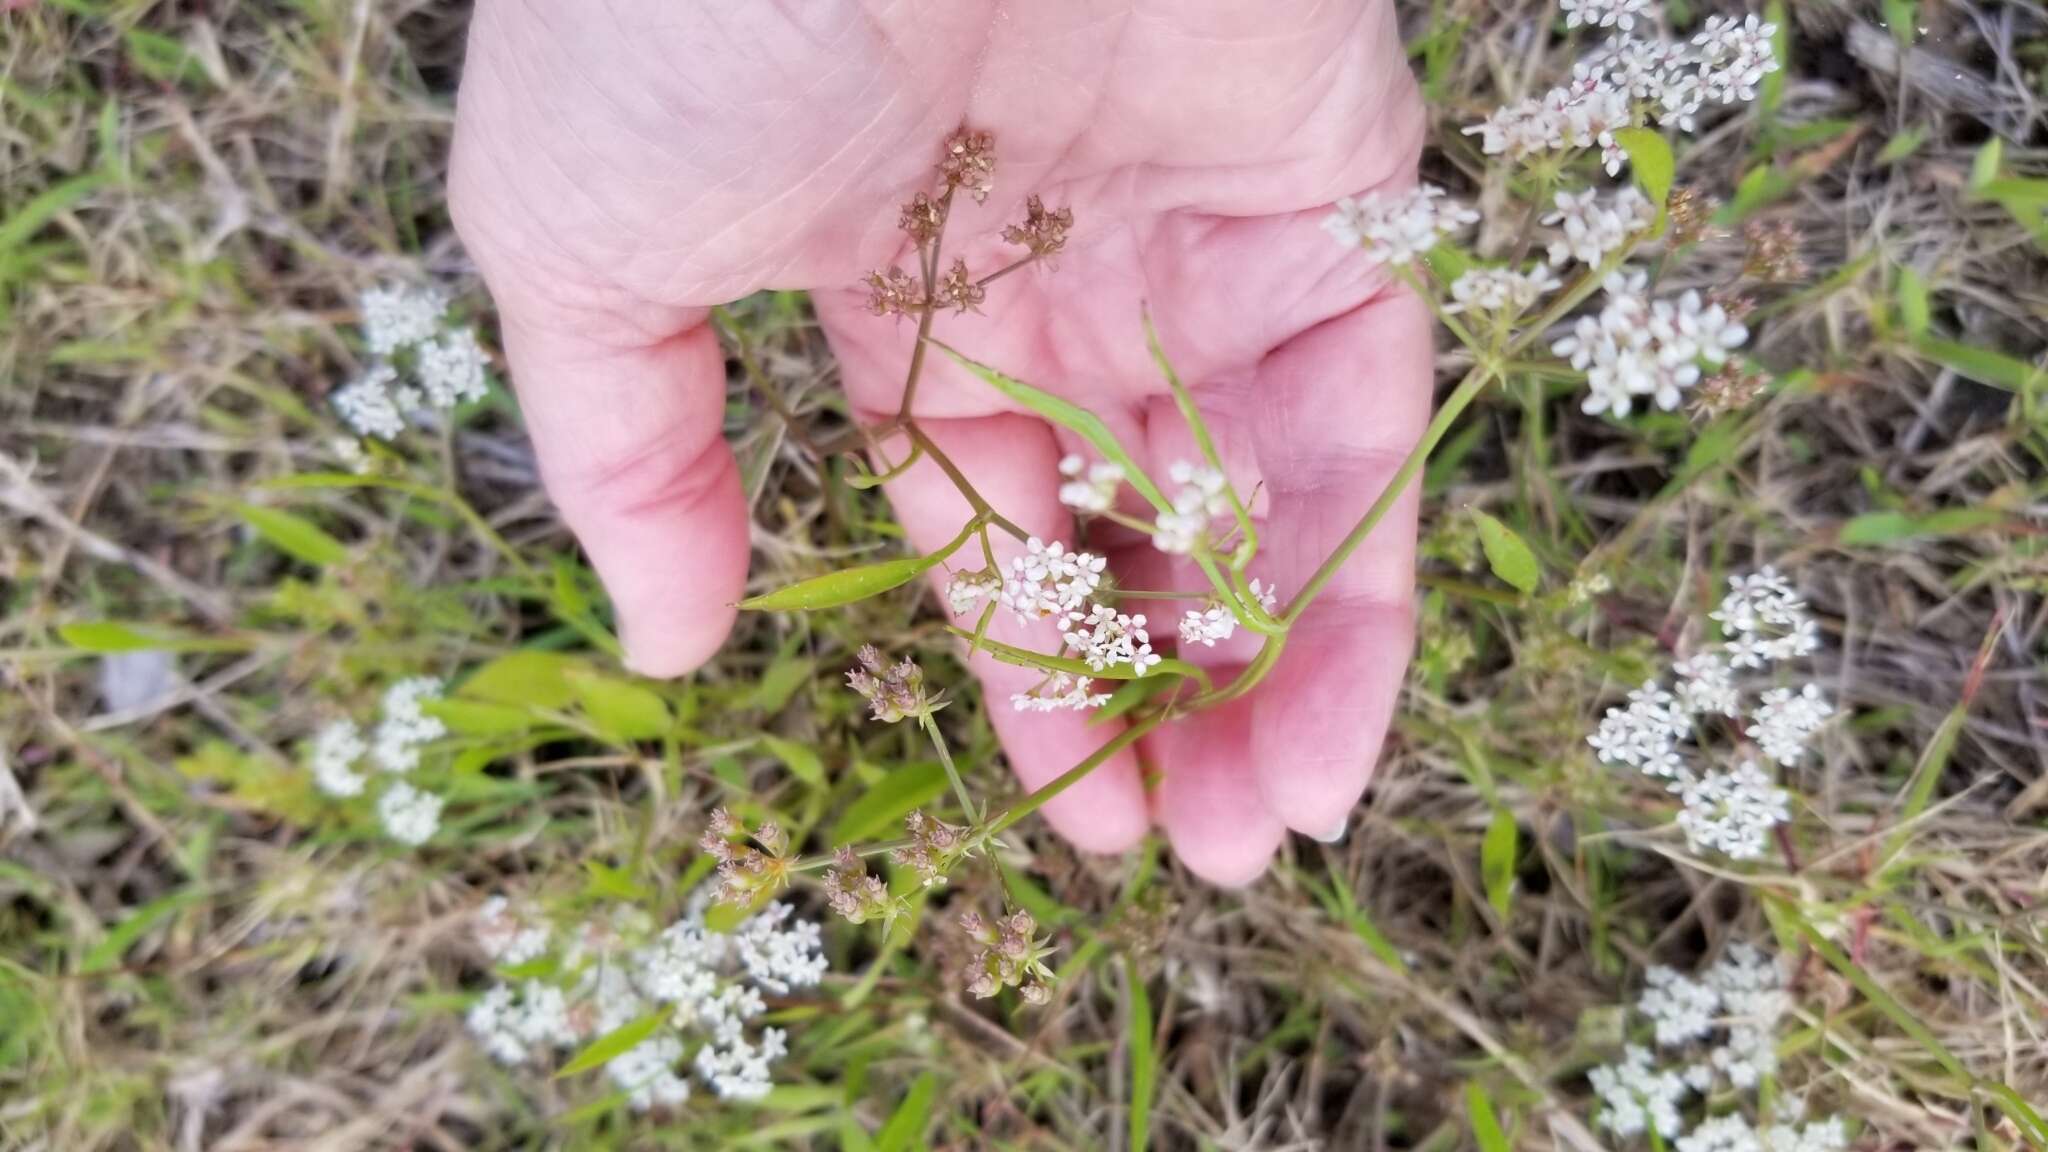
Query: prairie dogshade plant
x=1562, y=289
x=1572, y=296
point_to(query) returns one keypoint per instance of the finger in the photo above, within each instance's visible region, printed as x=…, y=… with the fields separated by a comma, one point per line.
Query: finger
x=1346, y=401
x=1012, y=461
x=628, y=435
x=1208, y=798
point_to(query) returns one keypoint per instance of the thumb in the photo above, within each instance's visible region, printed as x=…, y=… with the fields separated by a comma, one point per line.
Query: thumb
x=628, y=435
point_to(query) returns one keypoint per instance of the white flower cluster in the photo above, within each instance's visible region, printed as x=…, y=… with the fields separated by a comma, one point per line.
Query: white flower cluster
x=1047, y=582
x=710, y=984
x=409, y=815
x=1213, y=623
x=1722, y=1027
x=1734, y=811
x=1638, y=347
x=966, y=590
x=1501, y=289
x=1630, y=79
x=421, y=362
x=1061, y=692
x=1204, y=495
x=1105, y=638
x=1395, y=227
x=1591, y=230
x=1089, y=487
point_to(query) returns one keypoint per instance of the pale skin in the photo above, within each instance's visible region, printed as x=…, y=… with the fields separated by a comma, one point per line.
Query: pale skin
x=620, y=170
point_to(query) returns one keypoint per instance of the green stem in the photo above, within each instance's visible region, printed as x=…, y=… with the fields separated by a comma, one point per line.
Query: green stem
x=1468, y=390
x=953, y=473
x=931, y=729
x=1074, y=775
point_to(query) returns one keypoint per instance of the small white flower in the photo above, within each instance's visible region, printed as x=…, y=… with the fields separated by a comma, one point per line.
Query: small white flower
x=1680, y=1008
x=333, y=755
x=1048, y=581
x=1637, y=1096
x=1729, y=1133
x=510, y=935
x=1501, y=289
x=349, y=451
x=1689, y=330
x=410, y=816
x=1732, y=812
x=1089, y=487
x=1061, y=692
x=646, y=1072
x=1204, y=494
x=370, y=404
x=1591, y=231
x=966, y=590
x=405, y=728
x=1645, y=734
x=1765, y=621
x=1602, y=13
x=1106, y=638
x=451, y=368
x=1735, y=56
x=780, y=953
x=1396, y=227
x=1785, y=720
x=398, y=316
x=1706, y=686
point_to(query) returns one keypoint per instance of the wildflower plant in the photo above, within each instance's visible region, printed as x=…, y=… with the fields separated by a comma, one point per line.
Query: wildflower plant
x=349, y=767
x=422, y=360
x=1701, y=1074
x=1581, y=310
x=1731, y=801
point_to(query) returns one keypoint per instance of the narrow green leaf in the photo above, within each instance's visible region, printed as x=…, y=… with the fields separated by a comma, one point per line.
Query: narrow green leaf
x=625, y=711
x=1144, y=1060
x=1506, y=554
x=1983, y=365
x=1486, y=1131
x=889, y=800
x=846, y=586
x=801, y=761
x=42, y=209
x=906, y=1127
x=615, y=1043
x=299, y=538
x=1913, y=305
x=1987, y=163
x=1070, y=416
x=475, y=718
x=1132, y=694
x=526, y=677
x=1875, y=528
x=612, y=883
x=122, y=636
x=1651, y=162
x=1497, y=861
x=108, y=952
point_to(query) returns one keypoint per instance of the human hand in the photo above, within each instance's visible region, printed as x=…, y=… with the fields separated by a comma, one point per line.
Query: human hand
x=618, y=173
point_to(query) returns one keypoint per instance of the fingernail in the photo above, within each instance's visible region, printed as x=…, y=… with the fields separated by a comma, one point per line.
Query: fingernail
x=1336, y=835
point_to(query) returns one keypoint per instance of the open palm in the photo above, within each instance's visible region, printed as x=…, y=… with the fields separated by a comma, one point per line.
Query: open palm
x=619, y=172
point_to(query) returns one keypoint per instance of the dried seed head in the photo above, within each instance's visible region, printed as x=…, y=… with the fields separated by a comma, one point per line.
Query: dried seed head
x=853, y=893
x=893, y=694
x=1012, y=956
x=894, y=293
x=969, y=163
x=1044, y=233
x=958, y=291
x=1774, y=252
x=922, y=218
x=1691, y=213
x=1728, y=390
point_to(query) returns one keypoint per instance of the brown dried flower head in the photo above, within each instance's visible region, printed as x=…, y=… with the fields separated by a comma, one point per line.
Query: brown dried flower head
x=935, y=847
x=1012, y=956
x=893, y=693
x=1728, y=390
x=894, y=293
x=958, y=291
x=1774, y=252
x=1043, y=232
x=855, y=894
x=745, y=873
x=1691, y=213
x=969, y=163
x=922, y=218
